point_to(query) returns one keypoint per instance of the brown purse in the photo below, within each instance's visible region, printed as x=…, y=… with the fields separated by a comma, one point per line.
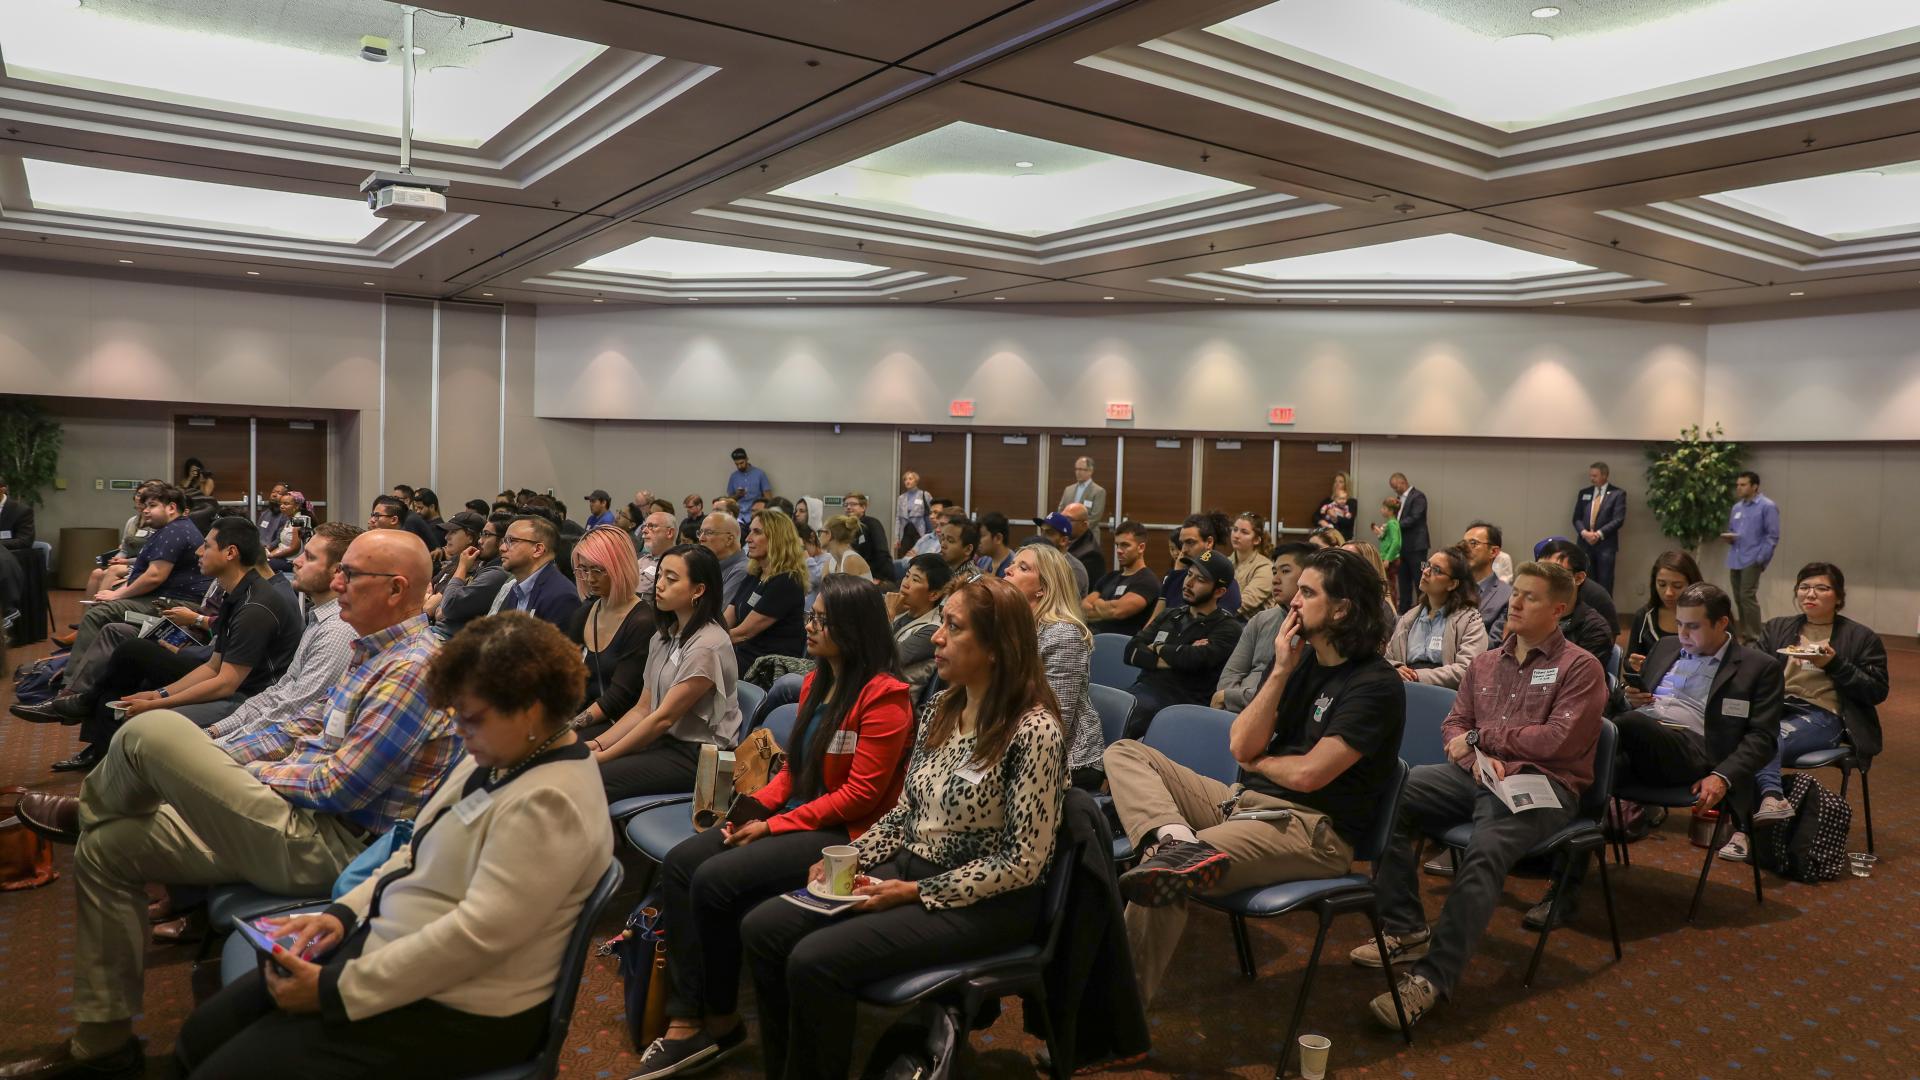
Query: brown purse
x=722, y=776
x=26, y=858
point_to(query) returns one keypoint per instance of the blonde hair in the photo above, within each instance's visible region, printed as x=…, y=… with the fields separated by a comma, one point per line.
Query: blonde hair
x=1371, y=554
x=841, y=527
x=785, y=553
x=1061, y=602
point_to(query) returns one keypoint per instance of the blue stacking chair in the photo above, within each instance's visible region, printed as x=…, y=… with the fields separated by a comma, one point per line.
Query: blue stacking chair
x=1110, y=667
x=750, y=698
x=658, y=828
x=1427, y=709
x=1326, y=897
x=1843, y=758
x=1613, y=667
x=1585, y=833
x=1114, y=706
x=1194, y=736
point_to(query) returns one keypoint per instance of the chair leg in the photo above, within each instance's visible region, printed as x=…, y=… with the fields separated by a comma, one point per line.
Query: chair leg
x=1306, y=987
x=1713, y=846
x=1866, y=803
x=1242, y=945
x=1037, y=995
x=1393, y=986
x=1553, y=912
x=1606, y=893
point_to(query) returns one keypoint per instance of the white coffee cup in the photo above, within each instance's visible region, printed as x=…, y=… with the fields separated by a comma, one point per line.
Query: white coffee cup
x=118, y=709
x=843, y=862
x=1313, y=1056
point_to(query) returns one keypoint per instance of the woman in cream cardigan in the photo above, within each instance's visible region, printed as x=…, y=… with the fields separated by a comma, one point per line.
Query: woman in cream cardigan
x=442, y=962
x=1434, y=641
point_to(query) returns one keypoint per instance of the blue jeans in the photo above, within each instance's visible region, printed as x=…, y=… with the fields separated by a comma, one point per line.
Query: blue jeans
x=1804, y=728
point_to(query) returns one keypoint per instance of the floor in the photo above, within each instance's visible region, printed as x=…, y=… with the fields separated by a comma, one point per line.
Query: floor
x=1818, y=981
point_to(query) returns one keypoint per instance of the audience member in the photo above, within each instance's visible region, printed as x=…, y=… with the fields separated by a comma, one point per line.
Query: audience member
x=1598, y=516
x=1085, y=492
x=1057, y=529
x=1200, y=532
x=1482, y=542
x=479, y=506
x=1326, y=539
x=270, y=520
x=696, y=517
x=426, y=506
x=1372, y=557
x=166, y=805
x=1832, y=690
x=766, y=614
x=656, y=539
x=1585, y=625
x=956, y=864
x=720, y=534
x=133, y=537
x=1341, y=511
x=369, y=986
x=1673, y=571
x=599, y=509
x=1181, y=652
x=1753, y=532
x=16, y=521
x=995, y=549
x=687, y=697
x=746, y=482
x=387, y=512
x=1434, y=642
x=613, y=628
x=1591, y=594
x=1085, y=543
x=462, y=531
x=1316, y=747
x=844, y=770
x=838, y=537
x=928, y=542
x=1121, y=601
x=915, y=611
x=528, y=548
x=1042, y=575
x=913, y=506
x=870, y=541
x=1534, y=704
x=479, y=582
x=1253, y=654
x=960, y=546
x=291, y=526
x=1252, y=566
x=195, y=481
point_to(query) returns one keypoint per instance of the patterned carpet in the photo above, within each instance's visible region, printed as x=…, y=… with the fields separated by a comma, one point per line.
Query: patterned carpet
x=1816, y=982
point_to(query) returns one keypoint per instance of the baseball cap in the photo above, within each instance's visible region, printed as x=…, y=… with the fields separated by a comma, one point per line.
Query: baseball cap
x=600, y=494
x=1056, y=521
x=469, y=521
x=1213, y=565
x=739, y=452
x=1540, y=548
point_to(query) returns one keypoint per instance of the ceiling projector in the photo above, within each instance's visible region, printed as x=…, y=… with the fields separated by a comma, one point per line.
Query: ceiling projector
x=404, y=196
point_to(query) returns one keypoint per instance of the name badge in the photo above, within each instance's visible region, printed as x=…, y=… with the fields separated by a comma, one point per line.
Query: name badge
x=1119, y=591
x=1737, y=707
x=1437, y=642
x=972, y=774
x=843, y=742
x=1586, y=496
x=1160, y=638
x=6, y=534
x=1546, y=676
x=1737, y=513
x=337, y=724
x=469, y=809
x=754, y=600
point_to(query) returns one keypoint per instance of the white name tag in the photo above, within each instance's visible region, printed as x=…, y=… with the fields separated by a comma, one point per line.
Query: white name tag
x=6, y=534
x=1546, y=676
x=1160, y=638
x=1588, y=497
x=470, y=808
x=972, y=774
x=754, y=600
x=1119, y=591
x=337, y=724
x=843, y=742
x=1736, y=707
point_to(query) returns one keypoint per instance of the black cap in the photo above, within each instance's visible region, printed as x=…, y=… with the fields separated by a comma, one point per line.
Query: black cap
x=600, y=494
x=739, y=452
x=1213, y=565
x=469, y=521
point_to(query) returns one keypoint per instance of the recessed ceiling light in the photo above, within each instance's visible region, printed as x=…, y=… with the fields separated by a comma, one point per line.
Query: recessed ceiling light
x=597, y=300
x=1023, y=164
x=793, y=298
x=693, y=298
x=369, y=283
x=1547, y=12
x=661, y=257
x=1219, y=299
x=999, y=298
x=126, y=262
x=1559, y=303
x=1108, y=298
x=1796, y=294
x=482, y=294
x=253, y=273
x=1446, y=301
x=1686, y=303
x=1333, y=301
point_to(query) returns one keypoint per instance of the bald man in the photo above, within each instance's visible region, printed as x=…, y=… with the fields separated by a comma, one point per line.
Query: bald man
x=1084, y=545
x=720, y=534
x=280, y=810
x=657, y=534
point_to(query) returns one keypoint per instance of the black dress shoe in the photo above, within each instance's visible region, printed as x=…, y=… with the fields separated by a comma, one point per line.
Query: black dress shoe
x=58, y=1063
x=87, y=758
x=64, y=709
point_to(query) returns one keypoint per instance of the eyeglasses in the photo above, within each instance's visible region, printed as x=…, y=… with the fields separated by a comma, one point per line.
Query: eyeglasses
x=589, y=570
x=1474, y=544
x=707, y=534
x=348, y=574
x=1436, y=571
x=1813, y=590
x=815, y=620
x=384, y=517
x=509, y=540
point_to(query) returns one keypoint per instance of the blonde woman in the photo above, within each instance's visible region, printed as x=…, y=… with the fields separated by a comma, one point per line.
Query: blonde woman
x=1252, y=563
x=766, y=615
x=1042, y=574
x=1341, y=509
x=836, y=539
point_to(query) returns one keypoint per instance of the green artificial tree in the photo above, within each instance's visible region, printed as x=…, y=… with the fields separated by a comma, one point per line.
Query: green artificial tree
x=1690, y=484
x=29, y=449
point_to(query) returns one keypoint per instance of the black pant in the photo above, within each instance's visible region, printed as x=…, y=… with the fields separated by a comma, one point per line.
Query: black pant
x=1600, y=560
x=1653, y=754
x=139, y=664
x=241, y=1033
x=664, y=768
x=706, y=890
x=808, y=968
x=1411, y=563
x=1148, y=699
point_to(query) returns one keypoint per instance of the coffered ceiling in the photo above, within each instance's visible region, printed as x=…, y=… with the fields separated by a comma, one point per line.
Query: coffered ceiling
x=1643, y=153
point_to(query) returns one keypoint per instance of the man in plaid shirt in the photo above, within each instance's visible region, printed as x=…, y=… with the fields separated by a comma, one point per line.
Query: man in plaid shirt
x=286, y=812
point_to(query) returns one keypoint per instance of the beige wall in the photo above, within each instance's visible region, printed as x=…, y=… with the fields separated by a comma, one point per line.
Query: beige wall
x=673, y=460
x=1847, y=373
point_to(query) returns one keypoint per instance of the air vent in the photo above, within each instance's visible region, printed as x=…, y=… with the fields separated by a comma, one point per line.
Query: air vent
x=1670, y=299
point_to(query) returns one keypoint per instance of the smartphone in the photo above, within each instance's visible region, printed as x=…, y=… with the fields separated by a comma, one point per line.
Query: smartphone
x=262, y=944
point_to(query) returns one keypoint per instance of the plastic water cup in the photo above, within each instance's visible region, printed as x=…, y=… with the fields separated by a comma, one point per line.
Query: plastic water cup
x=1861, y=863
x=1313, y=1056
x=842, y=863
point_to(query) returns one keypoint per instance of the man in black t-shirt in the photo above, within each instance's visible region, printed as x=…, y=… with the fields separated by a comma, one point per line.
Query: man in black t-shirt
x=1316, y=746
x=1121, y=602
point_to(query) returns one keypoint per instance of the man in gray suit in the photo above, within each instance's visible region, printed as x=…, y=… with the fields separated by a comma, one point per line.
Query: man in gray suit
x=1085, y=492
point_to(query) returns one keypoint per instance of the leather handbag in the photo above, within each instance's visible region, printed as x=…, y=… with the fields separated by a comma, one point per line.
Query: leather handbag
x=26, y=858
x=724, y=775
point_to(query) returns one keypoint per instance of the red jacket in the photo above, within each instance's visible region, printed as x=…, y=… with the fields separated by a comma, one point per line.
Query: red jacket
x=864, y=768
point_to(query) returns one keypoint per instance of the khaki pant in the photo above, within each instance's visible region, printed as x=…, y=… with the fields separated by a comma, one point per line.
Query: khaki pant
x=1151, y=790
x=166, y=805
x=1746, y=602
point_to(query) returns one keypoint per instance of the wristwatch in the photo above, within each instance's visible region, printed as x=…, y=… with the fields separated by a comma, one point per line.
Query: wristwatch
x=164, y=694
x=1473, y=737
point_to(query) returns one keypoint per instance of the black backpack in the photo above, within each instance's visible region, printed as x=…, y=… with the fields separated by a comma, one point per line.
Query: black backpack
x=1811, y=845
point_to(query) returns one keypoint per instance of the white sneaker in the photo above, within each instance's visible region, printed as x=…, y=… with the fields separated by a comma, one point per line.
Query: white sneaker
x=1772, y=808
x=1735, y=849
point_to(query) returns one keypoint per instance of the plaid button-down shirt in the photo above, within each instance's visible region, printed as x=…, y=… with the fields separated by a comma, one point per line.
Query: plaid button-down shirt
x=379, y=751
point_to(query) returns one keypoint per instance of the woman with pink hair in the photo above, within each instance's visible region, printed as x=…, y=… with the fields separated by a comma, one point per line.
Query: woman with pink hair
x=613, y=628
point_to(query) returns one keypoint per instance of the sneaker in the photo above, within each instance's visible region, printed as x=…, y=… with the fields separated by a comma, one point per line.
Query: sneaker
x=1401, y=949
x=1417, y=995
x=1440, y=865
x=1735, y=849
x=1536, y=917
x=684, y=1057
x=1176, y=870
x=1772, y=808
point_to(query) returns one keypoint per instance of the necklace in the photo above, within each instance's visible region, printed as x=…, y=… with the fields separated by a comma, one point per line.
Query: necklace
x=496, y=776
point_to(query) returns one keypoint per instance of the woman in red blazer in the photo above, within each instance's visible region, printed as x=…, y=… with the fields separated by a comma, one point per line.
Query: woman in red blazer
x=846, y=760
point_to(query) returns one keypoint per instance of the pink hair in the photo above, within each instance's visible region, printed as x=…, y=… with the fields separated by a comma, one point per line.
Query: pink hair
x=611, y=548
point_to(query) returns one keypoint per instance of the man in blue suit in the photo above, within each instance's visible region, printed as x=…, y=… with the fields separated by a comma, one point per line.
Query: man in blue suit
x=539, y=588
x=1598, y=514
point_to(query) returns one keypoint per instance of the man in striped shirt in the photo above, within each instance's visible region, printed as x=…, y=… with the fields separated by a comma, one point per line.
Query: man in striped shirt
x=286, y=815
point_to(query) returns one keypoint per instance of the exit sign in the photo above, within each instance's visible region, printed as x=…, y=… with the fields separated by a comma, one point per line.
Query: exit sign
x=1119, y=410
x=960, y=407
x=1280, y=414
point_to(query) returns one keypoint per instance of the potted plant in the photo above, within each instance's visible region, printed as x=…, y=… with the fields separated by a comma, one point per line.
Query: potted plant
x=29, y=448
x=1690, y=484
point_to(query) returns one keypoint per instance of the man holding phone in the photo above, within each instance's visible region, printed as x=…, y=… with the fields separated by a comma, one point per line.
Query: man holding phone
x=1316, y=745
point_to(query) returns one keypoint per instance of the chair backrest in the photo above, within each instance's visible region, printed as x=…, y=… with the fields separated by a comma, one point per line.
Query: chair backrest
x=1195, y=736
x=573, y=968
x=1593, y=802
x=749, y=696
x=1427, y=708
x=780, y=723
x=1613, y=666
x=1110, y=667
x=1381, y=834
x=1114, y=706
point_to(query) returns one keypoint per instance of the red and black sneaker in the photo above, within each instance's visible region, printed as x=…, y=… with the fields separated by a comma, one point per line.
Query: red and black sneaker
x=1176, y=870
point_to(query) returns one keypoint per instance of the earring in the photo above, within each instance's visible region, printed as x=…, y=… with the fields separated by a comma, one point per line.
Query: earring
x=530, y=737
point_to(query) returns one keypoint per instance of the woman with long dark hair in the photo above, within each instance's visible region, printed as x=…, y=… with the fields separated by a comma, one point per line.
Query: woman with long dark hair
x=1672, y=572
x=687, y=697
x=953, y=870
x=844, y=767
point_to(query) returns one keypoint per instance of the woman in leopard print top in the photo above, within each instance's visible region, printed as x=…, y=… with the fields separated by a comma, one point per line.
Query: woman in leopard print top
x=955, y=865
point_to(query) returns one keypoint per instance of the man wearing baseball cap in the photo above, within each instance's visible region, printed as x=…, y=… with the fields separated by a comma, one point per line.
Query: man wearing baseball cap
x=599, y=509
x=1180, y=653
x=1057, y=529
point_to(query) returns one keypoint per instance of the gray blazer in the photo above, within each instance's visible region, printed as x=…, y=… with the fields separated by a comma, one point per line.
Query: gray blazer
x=1464, y=638
x=1096, y=501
